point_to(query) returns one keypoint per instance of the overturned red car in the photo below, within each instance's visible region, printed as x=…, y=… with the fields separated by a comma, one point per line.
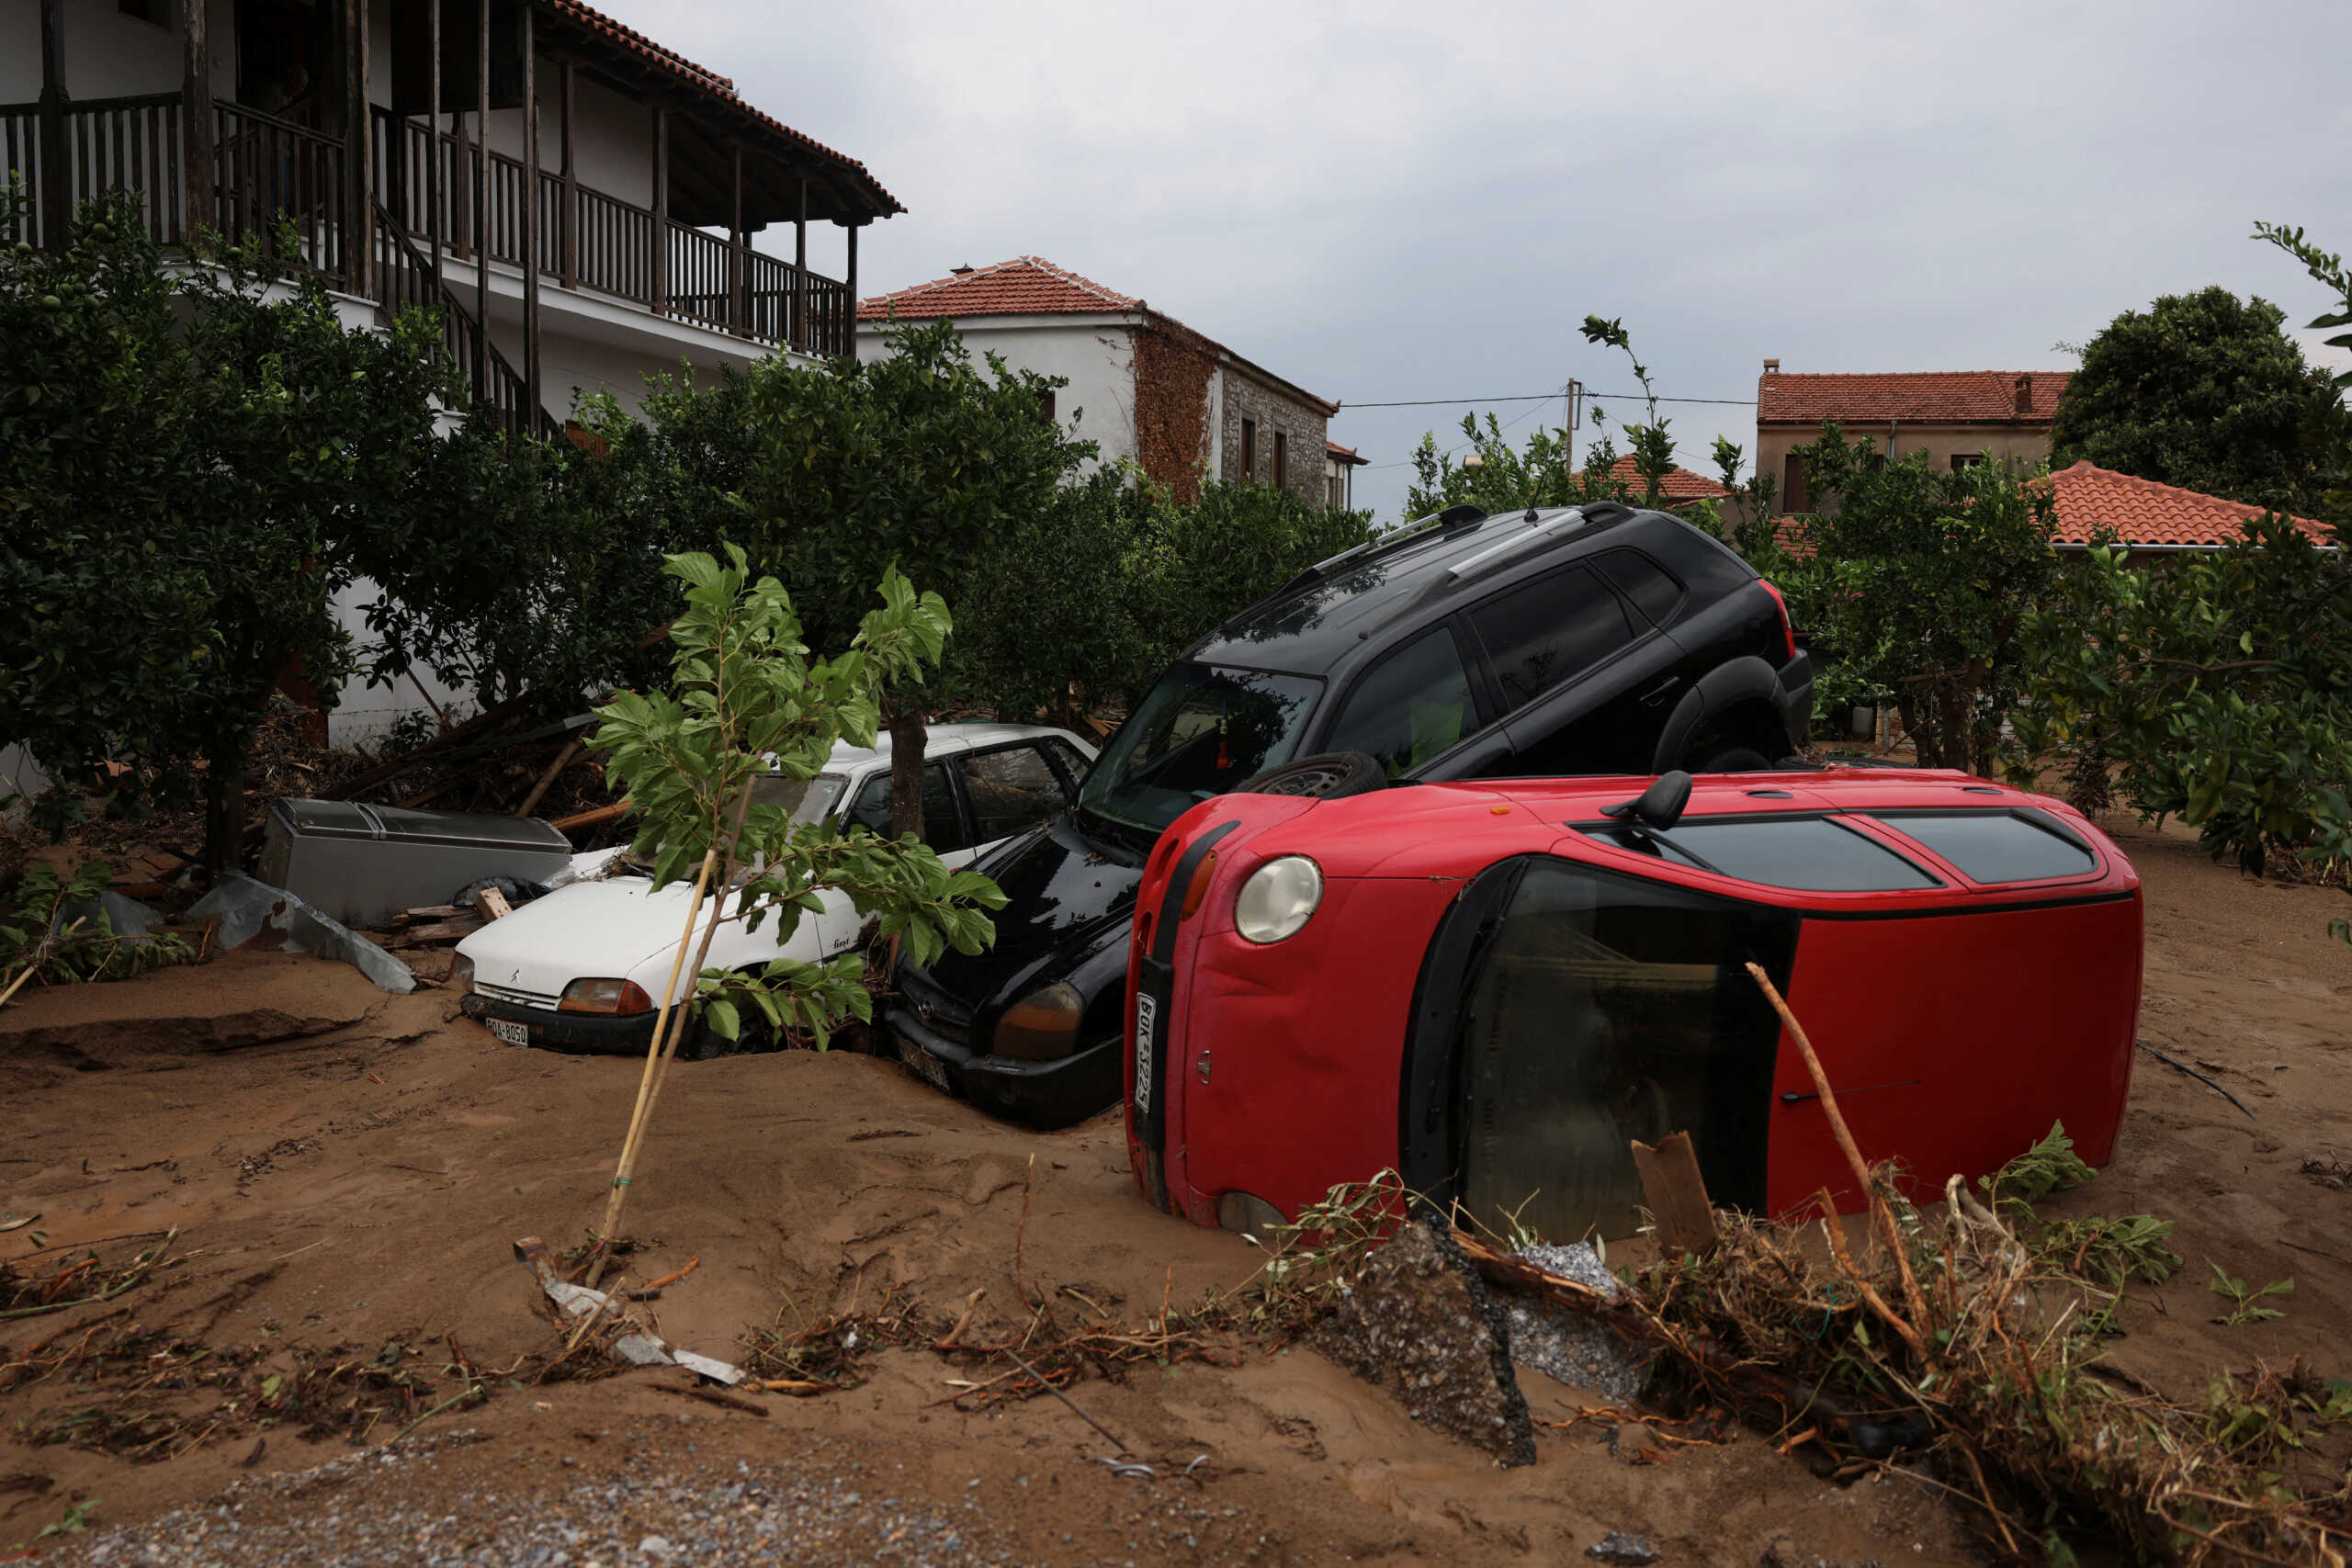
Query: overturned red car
x=1494, y=987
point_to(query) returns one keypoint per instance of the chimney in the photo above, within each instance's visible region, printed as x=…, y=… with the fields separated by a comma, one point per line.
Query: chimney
x=1772, y=367
x=2025, y=392
x=964, y=271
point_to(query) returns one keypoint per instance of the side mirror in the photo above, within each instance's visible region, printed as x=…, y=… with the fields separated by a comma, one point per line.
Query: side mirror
x=1660, y=805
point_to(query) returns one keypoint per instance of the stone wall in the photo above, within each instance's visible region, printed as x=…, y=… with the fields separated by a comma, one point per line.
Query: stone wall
x=1274, y=411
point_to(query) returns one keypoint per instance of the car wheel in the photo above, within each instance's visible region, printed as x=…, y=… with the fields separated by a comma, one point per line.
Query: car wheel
x=1328, y=775
x=1729, y=756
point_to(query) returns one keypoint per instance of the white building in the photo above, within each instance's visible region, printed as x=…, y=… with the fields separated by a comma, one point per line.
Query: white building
x=394, y=135
x=1142, y=385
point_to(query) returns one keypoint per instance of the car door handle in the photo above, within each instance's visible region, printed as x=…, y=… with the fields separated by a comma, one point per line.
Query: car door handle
x=1656, y=693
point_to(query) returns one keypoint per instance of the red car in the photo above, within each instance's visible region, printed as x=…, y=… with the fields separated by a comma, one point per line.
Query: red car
x=1493, y=986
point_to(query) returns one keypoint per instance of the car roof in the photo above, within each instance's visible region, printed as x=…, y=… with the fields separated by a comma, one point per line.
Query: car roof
x=1313, y=623
x=939, y=740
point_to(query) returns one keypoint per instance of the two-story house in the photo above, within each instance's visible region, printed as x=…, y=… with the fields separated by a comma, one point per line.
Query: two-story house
x=1150, y=388
x=1957, y=417
x=531, y=167
x=531, y=163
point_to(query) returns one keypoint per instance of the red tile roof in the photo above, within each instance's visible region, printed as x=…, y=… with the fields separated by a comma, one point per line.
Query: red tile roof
x=1344, y=454
x=1923, y=397
x=2092, y=501
x=1026, y=286
x=710, y=83
x=1680, y=485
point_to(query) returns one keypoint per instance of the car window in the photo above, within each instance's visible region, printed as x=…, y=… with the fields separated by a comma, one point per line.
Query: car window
x=1199, y=731
x=1998, y=846
x=1814, y=855
x=1074, y=762
x=943, y=824
x=1414, y=705
x=1548, y=631
x=1645, y=583
x=1010, y=790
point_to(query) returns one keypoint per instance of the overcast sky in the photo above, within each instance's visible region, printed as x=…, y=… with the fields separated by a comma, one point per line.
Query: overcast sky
x=1387, y=201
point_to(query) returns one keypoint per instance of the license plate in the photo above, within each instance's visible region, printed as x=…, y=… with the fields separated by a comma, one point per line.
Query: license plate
x=926, y=1067
x=1146, y=1017
x=510, y=1031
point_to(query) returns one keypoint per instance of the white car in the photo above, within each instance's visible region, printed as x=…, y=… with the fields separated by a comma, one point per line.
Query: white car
x=583, y=967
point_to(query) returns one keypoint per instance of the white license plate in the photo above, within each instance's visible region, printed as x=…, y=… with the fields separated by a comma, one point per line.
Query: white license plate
x=507, y=1030
x=928, y=1067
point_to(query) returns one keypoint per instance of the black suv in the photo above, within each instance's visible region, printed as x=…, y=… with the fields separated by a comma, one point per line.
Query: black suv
x=1599, y=639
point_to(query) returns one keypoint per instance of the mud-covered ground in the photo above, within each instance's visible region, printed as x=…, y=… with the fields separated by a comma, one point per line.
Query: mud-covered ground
x=349, y=1171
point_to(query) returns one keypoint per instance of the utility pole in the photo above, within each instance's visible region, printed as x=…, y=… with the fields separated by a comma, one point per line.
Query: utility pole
x=1576, y=409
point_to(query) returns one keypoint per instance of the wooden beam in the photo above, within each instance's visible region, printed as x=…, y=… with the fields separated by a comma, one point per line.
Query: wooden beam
x=799, y=334
x=848, y=328
x=433, y=151
x=196, y=161
x=56, y=168
x=358, y=171
x=571, y=271
x=735, y=320
x=480, y=174
x=660, y=211
x=535, y=407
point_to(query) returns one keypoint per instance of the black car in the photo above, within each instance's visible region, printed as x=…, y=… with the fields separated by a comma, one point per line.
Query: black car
x=1601, y=639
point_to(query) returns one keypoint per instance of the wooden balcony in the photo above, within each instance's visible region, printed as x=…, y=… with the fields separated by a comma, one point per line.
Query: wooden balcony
x=263, y=170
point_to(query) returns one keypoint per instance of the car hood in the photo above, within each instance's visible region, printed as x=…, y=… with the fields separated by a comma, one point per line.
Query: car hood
x=1063, y=894
x=611, y=929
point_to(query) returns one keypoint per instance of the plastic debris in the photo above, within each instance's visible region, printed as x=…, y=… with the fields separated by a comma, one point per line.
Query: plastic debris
x=254, y=912
x=638, y=1346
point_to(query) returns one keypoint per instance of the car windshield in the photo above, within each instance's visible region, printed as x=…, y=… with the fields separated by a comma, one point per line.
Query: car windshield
x=1203, y=729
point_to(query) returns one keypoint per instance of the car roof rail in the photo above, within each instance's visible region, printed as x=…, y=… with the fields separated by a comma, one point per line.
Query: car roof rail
x=1540, y=530
x=1601, y=514
x=1447, y=520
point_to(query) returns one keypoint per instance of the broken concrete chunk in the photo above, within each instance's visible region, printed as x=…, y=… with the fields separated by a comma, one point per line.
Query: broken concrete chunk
x=1567, y=1346
x=252, y=911
x=1420, y=1323
x=1630, y=1551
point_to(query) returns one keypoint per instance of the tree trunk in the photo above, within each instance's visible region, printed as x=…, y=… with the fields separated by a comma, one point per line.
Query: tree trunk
x=906, y=737
x=224, y=810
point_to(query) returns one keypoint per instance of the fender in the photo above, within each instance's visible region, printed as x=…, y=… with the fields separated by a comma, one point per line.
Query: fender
x=1734, y=680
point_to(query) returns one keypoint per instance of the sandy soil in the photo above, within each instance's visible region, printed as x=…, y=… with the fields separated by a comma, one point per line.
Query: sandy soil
x=348, y=1169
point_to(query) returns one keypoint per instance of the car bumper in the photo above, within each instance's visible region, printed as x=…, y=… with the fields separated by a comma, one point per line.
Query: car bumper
x=1044, y=1095
x=592, y=1034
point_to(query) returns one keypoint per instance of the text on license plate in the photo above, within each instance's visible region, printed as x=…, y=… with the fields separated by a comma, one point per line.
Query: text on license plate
x=510, y=1031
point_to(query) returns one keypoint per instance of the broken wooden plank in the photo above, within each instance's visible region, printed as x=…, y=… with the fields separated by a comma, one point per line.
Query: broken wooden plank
x=491, y=905
x=446, y=931
x=1676, y=1195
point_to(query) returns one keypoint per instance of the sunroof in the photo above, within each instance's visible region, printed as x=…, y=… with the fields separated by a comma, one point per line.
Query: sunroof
x=1999, y=846
x=1814, y=854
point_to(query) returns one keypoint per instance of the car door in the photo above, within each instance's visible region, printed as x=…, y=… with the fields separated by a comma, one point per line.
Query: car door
x=1585, y=680
x=945, y=828
x=1010, y=789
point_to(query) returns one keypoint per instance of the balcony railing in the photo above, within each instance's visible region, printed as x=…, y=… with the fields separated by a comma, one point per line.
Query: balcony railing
x=269, y=172
x=588, y=239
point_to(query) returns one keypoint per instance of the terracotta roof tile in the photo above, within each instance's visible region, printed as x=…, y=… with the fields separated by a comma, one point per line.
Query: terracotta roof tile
x=1924, y=397
x=711, y=83
x=1344, y=454
x=2092, y=499
x=1026, y=286
x=1680, y=484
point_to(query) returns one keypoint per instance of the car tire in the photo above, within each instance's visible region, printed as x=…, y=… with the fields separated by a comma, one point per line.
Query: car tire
x=1327, y=776
x=1729, y=756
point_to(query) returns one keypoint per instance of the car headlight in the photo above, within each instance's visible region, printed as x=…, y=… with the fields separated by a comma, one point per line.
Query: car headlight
x=620, y=999
x=461, y=975
x=1278, y=899
x=1041, y=1026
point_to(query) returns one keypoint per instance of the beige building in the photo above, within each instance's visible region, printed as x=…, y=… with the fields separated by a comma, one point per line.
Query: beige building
x=1957, y=417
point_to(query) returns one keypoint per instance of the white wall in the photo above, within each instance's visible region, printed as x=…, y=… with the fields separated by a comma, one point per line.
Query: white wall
x=1096, y=352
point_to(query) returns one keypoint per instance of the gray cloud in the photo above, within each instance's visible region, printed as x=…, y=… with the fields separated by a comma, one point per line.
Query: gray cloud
x=1388, y=200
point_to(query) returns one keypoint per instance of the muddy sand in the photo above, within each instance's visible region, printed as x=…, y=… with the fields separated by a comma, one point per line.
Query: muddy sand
x=349, y=1171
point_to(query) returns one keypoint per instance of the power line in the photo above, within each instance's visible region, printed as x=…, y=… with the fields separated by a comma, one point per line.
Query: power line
x=1538, y=398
